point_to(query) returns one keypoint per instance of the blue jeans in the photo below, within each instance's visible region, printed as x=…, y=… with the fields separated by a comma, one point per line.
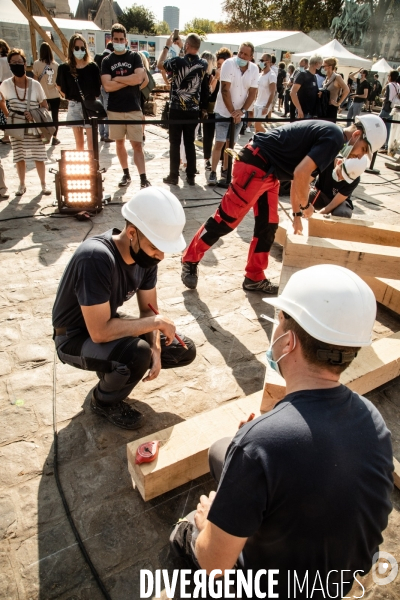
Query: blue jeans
x=103, y=129
x=384, y=114
x=354, y=111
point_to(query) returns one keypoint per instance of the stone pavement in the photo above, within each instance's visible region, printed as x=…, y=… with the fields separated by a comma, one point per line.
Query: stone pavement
x=39, y=557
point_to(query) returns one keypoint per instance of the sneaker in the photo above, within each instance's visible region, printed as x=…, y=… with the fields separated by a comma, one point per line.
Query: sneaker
x=264, y=286
x=120, y=413
x=207, y=165
x=190, y=274
x=21, y=190
x=46, y=190
x=145, y=184
x=4, y=195
x=102, y=139
x=224, y=173
x=212, y=180
x=126, y=179
x=171, y=180
x=107, y=140
x=55, y=142
x=191, y=180
x=248, y=130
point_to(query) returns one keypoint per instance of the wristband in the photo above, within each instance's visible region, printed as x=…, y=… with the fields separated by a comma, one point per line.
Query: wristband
x=305, y=207
x=166, y=47
x=298, y=214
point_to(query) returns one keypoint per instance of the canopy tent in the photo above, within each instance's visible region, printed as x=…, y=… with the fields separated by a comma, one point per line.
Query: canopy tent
x=382, y=66
x=291, y=41
x=344, y=56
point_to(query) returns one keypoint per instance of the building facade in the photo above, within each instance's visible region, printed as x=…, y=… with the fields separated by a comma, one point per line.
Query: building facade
x=171, y=16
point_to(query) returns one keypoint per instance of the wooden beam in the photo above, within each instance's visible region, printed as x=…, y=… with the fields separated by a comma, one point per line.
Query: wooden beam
x=56, y=28
x=375, y=365
x=363, y=259
x=32, y=33
x=354, y=230
x=387, y=291
x=40, y=31
x=396, y=473
x=183, y=453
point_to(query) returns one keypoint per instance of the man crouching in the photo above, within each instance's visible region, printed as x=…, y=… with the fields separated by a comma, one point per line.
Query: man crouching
x=104, y=272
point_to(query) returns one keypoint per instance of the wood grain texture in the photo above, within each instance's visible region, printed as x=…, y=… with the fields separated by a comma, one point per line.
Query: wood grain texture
x=355, y=230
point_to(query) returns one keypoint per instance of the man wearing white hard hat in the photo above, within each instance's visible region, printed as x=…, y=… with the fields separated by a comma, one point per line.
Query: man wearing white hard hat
x=334, y=186
x=104, y=273
x=304, y=488
x=295, y=152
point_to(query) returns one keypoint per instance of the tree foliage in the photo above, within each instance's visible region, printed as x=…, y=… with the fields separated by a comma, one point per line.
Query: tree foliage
x=204, y=25
x=138, y=19
x=162, y=28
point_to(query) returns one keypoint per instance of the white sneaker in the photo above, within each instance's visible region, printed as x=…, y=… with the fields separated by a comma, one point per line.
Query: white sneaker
x=248, y=130
x=21, y=190
x=45, y=190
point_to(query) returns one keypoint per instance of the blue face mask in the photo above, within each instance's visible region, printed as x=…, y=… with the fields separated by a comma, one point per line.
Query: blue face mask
x=119, y=47
x=261, y=64
x=241, y=62
x=270, y=360
x=79, y=54
x=301, y=69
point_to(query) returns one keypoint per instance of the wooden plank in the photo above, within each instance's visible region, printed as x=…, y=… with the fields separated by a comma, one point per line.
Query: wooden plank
x=387, y=291
x=355, y=230
x=183, y=454
x=375, y=365
x=363, y=259
x=56, y=28
x=32, y=32
x=40, y=31
x=396, y=473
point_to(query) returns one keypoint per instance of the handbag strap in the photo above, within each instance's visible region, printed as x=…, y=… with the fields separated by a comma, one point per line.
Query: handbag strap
x=79, y=88
x=28, y=104
x=43, y=72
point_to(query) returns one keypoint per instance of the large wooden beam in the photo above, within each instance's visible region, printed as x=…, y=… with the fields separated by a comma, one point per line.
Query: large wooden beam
x=40, y=31
x=183, y=454
x=387, y=291
x=396, y=473
x=32, y=33
x=56, y=28
x=363, y=259
x=375, y=365
x=354, y=230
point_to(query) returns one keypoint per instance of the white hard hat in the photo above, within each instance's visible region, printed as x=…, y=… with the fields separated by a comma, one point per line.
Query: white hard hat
x=159, y=215
x=331, y=303
x=354, y=167
x=374, y=132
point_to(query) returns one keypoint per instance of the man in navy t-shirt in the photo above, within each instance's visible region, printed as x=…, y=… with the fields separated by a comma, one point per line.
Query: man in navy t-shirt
x=303, y=489
x=104, y=273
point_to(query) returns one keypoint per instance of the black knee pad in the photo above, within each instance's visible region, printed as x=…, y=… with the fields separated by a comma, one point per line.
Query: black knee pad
x=266, y=236
x=214, y=230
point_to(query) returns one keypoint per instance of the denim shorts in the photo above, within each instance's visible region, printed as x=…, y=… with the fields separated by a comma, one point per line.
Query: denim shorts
x=74, y=112
x=222, y=129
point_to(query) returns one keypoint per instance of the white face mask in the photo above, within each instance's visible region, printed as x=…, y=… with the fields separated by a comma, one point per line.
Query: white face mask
x=301, y=69
x=334, y=175
x=79, y=54
x=119, y=47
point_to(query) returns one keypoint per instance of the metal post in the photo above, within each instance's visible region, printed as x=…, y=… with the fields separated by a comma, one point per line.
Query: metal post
x=371, y=166
x=95, y=138
x=225, y=184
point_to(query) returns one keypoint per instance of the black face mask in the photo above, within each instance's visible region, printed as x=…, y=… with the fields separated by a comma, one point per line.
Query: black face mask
x=17, y=70
x=141, y=258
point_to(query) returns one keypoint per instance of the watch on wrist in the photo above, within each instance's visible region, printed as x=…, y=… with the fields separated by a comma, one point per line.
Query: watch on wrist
x=244, y=111
x=166, y=47
x=305, y=207
x=297, y=214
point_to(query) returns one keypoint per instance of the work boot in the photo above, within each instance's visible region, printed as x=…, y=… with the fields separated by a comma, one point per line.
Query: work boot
x=190, y=274
x=119, y=413
x=190, y=180
x=171, y=180
x=264, y=286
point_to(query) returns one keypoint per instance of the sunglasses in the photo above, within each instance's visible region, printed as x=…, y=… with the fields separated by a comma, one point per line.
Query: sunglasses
x=77, y=48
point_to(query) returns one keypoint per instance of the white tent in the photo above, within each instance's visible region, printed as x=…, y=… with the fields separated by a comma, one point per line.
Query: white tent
x=290, y=41
x=382, y=66
x=335, y=48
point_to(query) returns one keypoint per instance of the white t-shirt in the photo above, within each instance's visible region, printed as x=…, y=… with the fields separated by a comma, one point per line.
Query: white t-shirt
x=240, y=85
x=263, y=88
x=274, y=69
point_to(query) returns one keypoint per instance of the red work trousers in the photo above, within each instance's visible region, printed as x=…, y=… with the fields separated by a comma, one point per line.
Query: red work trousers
x=261, y=194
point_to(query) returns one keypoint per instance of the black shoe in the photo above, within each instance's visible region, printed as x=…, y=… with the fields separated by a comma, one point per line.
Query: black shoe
x=190, y=274
x=191, y=180
x=55, y=142
x=212, y=180
x=119, y=413
x=102, y=139
x=171, y=180
x=126, y=179
x=107, y=140
x=145, y=184
x=207, y=165
x=224, y=173
x=264, y=286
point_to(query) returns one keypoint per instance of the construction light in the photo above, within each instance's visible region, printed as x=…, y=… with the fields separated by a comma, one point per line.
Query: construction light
x=78, y=183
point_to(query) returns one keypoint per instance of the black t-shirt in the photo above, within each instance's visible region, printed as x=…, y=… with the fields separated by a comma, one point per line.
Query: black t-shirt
x=361, y=86
x=309, y=485
x=127, y=99
x=89, y=82
x=97, y=273
x=286, y=146
x=98, y=59
x=330, y=187
x=308, y=92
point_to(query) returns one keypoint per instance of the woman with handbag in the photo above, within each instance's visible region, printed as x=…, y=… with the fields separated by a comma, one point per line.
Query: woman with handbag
x=336, y=87
x=79, y=81
x=5, y=73
x=45, y=72
x=23, y=94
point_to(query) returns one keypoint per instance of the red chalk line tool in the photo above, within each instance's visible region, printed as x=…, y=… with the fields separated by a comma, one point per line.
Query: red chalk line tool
x=147, y=452
x=180, y=340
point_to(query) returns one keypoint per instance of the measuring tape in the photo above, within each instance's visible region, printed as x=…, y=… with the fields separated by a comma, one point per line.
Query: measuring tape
x=147, y=452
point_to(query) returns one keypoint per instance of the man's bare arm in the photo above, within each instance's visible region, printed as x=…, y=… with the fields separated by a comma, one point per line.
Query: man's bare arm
x=226, y=95
x=299, y=190
x=135, y=78
x=295, y=99
x=110, y=85
x=334, y=203
x=250, y=98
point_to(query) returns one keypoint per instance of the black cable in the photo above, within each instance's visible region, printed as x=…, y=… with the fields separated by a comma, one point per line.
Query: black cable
x=61, y=491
